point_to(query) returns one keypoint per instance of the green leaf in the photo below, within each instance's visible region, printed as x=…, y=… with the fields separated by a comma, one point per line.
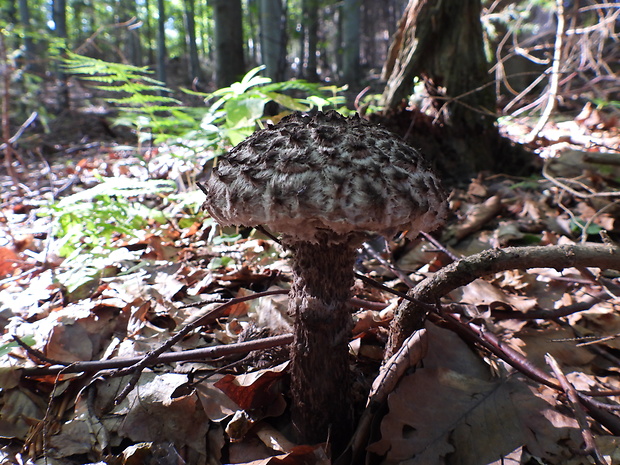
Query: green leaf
x=225, y=238
x=288, y=102
x=219, y=262
x=6, y=348
x=242, y=113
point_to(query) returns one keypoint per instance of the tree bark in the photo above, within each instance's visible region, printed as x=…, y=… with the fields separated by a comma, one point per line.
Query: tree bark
x=29, y=51
x=229, y=61
x=148, y=29
x=351, y=42
x=441, y=44
x=310, y=38
x=161, y=41
x=59, y=15
x=272, y=38
x=190, y=39
x=133, y=46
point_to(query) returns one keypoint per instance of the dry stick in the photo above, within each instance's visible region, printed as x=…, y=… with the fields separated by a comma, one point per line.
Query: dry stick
x=597, y=410
x=410, y=317
x=476, y=334
x=9, y=152
x=184, y=356
x=37, y=353
x=440, y=246
x=555, y=75
x=21, y=130
x=211, y=315
x=542, y=314
x=570, y=190
x=400, y=274
x=409, y=355
x=590, y=446
x=139, y=363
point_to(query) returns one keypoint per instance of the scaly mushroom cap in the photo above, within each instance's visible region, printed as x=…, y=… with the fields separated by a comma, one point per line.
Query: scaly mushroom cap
x=308, y=175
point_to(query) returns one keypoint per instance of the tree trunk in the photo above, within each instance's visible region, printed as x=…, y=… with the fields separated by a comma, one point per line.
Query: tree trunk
x=59, y=15
x=229, y=62
x=134, y=48
x=310, y=38
x=351, y=42
x=29, y=52
x=148, y=28
x=190, y=39
x=273, y=50
x=161, y=41
x=441, y=44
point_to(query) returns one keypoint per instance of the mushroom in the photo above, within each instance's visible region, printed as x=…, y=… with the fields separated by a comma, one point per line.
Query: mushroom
x=324, y=182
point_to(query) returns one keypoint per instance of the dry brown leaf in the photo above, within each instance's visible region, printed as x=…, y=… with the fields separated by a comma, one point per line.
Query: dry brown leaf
x=255, y=390
x=216, y=404
x=9, y=262
x=452, y=409
x=481, y=292
x=477, y=217
x=153, y=412
x=300, y=455
x=560, y=342
x=20, y=410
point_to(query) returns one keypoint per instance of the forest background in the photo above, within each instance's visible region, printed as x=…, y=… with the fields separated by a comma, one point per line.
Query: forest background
x=113, y=111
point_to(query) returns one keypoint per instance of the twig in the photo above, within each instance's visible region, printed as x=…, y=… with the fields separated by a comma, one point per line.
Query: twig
x=410, y=317
x=439, y=246
x=20, y=131
x=400, y=274
x=542, y=314
x=584, y=234
x=184, y=356
x=519, y=362
x=37, y=353
x=554, y=180
x=209, y=316
x=590, y=446
x=555, y=74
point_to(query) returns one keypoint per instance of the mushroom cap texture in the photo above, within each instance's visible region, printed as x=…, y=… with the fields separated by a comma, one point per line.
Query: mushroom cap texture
x=311, y=175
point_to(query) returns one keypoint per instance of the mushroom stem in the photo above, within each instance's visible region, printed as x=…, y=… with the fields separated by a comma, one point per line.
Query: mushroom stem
x=320, y=373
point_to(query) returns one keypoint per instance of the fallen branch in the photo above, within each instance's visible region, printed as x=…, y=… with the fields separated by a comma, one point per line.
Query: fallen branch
x=410, y=317
x=184, y=356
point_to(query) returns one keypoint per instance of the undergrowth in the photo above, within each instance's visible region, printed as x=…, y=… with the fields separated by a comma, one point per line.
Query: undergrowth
x=88, y=225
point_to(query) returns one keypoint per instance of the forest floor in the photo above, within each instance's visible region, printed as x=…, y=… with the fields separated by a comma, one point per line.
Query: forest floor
x=546, y=391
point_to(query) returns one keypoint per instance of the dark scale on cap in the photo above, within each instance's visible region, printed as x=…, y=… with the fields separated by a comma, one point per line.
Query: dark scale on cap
x=307, y=175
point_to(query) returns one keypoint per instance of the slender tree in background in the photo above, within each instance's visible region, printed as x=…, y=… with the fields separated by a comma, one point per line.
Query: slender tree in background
x=351, y=42
x=309, y=39
x=133, y=47
x=148, y=32
x=441, y=44
x=161, y=41
x=59, y=16
x=190, y=39
x=229, y=62
x=79, y=16
x=272, y=38
x=29, y=52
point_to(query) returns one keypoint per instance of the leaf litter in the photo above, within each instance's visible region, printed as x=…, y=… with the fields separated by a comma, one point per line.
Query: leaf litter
x=460, y=404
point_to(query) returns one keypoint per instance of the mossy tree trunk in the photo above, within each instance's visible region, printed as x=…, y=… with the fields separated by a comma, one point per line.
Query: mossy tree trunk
x=441, y=44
